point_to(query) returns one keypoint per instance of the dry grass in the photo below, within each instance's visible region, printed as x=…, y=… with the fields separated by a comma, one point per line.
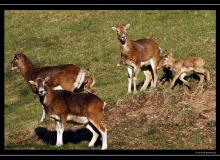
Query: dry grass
x=176, y=119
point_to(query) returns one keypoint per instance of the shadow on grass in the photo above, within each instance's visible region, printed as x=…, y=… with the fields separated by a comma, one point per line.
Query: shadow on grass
x=168, y=76
x=69, y=136
x=192, y=79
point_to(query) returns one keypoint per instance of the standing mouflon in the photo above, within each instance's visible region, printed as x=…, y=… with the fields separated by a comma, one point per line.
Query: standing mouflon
x=61, y=105
x=135, y=54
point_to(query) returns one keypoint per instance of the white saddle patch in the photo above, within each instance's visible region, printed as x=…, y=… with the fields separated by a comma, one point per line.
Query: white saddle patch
x=78, y=119
x=58, y=88
x=71, y=117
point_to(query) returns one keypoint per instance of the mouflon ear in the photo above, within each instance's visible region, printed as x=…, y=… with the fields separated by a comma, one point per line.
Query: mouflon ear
x=114, y=28
x=127, y=26
x=32, y=82
x=47, y=79
x=170, y=54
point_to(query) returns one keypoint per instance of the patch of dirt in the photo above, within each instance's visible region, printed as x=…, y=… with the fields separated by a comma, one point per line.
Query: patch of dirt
x=164, y=107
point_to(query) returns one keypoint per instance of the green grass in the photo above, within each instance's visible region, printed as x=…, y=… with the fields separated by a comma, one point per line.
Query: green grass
x=85, y=38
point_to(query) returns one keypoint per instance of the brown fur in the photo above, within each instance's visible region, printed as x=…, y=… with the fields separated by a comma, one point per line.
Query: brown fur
x=88, y=83
x=80, y=104
x=135, y=52
x=186, y=65
x=62, y=103
x=160, y=64
x=64, y=75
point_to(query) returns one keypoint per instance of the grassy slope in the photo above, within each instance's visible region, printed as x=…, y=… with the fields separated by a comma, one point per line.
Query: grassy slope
x=85, y=38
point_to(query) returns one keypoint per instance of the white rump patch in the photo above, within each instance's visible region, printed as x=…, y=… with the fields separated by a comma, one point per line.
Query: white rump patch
x=58, y=88
x=80, y=79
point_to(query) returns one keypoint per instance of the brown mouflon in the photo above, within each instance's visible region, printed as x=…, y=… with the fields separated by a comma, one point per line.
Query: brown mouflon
x=135, y=54
x=185, y=66
x=61, y=105
x=67, y=77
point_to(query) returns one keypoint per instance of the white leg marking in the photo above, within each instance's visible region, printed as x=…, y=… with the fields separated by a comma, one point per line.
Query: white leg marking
x=104, y=105
x=201, y=78
x=148, y=78
x=182, y=78
x=152, y=83
x=176, y=76
x=207, y=75
x=43, y=115
x=60, y=130
x=104, y=140
x=135, y=85
x=58, y=88
x=182, y=75
x=129, y=78
x=104, y=136
x=129, y=84
x=80, y=79
x=135, y=80
x=94, y=135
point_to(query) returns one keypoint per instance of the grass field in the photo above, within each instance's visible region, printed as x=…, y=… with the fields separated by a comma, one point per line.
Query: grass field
x=85, y=38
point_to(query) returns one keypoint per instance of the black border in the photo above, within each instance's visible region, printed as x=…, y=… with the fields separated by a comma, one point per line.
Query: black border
x=109, y=7
x=195, y=153
x=109, y=2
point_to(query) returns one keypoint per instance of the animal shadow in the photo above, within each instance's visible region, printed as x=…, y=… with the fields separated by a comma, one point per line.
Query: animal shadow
x=193, y=77
x=69, y=136
x=167, y=76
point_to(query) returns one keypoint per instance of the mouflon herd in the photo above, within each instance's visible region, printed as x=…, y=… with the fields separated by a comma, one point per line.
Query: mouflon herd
x=66, y=94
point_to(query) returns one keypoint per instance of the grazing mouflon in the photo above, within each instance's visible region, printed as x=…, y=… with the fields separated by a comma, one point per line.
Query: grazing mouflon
x=185, y=66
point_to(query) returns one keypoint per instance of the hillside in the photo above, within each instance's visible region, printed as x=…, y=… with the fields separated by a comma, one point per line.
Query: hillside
x=158, y=118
